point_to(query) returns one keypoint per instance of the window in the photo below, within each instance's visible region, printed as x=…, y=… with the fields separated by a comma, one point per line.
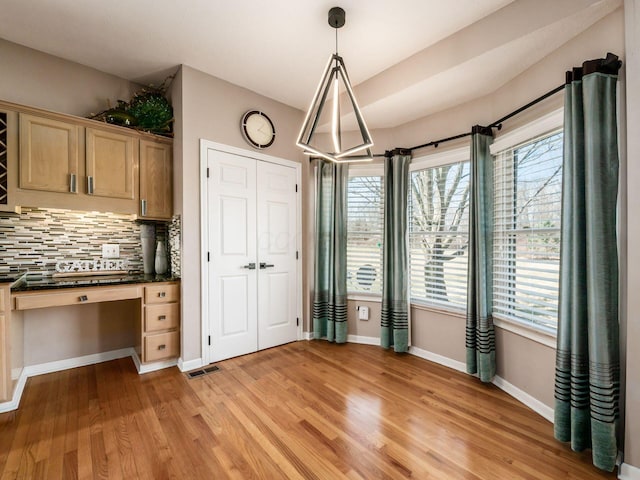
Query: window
x=439, y=234
x=365, y=225
x=526, y=250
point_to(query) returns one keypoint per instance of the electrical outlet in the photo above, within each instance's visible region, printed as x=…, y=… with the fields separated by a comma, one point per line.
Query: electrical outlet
x=110, y=250
x=363, y=313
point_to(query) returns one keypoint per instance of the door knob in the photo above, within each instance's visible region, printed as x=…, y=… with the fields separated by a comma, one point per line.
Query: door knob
x=264, y=265
x=250, y=266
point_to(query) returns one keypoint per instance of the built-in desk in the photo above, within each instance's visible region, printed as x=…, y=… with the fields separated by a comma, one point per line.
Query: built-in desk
x=157, y=311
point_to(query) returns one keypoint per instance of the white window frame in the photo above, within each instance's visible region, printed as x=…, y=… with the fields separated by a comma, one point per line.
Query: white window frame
x=541, y=126
x=453, y=155
x=368, y=170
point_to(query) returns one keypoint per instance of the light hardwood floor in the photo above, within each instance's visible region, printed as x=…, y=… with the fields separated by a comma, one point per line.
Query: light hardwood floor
x=311, y=410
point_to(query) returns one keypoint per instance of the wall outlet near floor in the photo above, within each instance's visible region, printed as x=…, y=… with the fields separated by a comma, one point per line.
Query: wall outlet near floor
x=110, y=250
x=363, y=313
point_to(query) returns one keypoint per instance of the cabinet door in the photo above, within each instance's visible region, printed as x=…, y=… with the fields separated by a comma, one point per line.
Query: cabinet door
x=48, y=154
x=112, y=162
x=155, y=180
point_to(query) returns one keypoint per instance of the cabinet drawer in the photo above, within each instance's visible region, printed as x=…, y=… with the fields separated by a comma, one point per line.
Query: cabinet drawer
x=163, y=293
x=74, y=297
x=161, y=317
x=161, y=345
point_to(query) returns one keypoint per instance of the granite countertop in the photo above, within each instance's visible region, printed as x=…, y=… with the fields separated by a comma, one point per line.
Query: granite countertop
x=30, y=281
x=11, y=276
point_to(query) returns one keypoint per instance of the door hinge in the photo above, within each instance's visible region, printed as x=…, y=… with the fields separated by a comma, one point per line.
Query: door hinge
x=208, y=256
x=207, y=172
x=297, y=322
x=209, y=340
x=296, y=188
x=296, y=255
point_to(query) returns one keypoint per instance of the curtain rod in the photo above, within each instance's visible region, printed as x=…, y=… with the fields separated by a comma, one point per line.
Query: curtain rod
x=497, y=124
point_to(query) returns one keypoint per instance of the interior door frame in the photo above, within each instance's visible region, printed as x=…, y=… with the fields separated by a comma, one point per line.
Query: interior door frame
x=205, y=146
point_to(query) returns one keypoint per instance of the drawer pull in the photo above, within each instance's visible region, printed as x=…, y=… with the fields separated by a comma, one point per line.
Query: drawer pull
x=162, y=347
x=83, y=298
x=162, y=317
x=162, y=294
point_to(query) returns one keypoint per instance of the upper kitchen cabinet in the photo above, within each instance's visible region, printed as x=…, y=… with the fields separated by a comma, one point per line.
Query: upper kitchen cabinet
x=49, y=154
x=156, y=202
x=111, y=164
x=54, y=160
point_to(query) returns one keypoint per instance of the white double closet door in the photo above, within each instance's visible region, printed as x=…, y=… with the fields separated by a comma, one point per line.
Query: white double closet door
x=253, y=266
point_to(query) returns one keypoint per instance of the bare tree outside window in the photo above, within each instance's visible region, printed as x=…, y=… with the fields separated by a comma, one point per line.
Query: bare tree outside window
x=438, y=219
x=527, y=214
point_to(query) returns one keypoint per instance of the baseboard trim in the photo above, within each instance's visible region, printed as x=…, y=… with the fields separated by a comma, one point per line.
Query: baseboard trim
x=307, y=335
x=523, y=397
x=363, y=340
x=59, y=365
x=439, y=359
x=14, y=403
x=152, y=367
x=628, y=472
x=533, y=403
x=190, y=364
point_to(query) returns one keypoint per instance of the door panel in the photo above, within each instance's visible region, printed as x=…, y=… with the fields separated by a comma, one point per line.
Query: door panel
x=232, y=244
x=112, y=164
x=277, y=244
x=234, y=232
x=49, y=153
x=235, y=319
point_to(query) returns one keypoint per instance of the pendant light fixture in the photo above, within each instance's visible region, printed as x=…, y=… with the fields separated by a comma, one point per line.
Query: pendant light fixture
x=327, y=100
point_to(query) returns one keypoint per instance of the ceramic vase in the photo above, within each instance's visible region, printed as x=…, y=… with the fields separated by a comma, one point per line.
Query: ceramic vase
x=148, y=241
x=161, y=263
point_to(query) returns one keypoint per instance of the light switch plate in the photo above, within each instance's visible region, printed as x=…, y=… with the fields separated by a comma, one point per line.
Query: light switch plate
x=110, y=250
x=363, y=313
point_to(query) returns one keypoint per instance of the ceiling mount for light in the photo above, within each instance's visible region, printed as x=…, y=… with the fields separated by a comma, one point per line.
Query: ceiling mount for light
x=328, y=92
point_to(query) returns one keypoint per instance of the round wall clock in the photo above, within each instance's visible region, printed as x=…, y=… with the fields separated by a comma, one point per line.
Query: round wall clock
x=257, y=129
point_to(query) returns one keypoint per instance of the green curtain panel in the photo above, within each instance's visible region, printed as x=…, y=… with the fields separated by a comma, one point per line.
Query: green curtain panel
x=395, y=269
x=330, y=287
x=587, y=379
x=480, y=338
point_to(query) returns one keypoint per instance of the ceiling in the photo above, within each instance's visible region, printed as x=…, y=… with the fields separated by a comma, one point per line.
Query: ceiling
x=404, y=57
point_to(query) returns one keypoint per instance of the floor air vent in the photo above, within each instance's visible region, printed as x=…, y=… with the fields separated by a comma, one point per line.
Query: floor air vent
x=203, y=371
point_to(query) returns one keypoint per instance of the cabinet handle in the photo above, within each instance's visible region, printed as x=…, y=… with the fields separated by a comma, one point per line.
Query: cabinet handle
x=73, y=187
x=162, y=294
x=143, y=207
x=90, y=185
x=162, y=347
x=162, y=317
x=83, y=298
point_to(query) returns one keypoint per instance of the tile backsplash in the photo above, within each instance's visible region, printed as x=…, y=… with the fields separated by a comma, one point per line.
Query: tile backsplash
x=38, y=238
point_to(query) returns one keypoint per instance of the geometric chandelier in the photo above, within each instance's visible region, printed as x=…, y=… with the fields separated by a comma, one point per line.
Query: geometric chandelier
x=326, y=108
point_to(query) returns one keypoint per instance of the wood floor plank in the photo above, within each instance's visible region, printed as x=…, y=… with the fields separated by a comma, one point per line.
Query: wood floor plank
x=306, y=410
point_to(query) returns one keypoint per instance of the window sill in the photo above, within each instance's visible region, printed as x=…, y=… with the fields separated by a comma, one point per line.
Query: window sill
x=432, y=308
x=544, y=337
x=364, y=297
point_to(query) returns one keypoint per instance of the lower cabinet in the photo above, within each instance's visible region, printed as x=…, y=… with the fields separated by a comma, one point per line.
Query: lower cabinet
x=160, y=322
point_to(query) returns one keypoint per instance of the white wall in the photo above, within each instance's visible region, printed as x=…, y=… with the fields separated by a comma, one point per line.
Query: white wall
x=34, y=78
x=211, y=109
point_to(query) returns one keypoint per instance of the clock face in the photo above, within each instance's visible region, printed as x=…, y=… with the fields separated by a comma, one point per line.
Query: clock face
x=258, y=129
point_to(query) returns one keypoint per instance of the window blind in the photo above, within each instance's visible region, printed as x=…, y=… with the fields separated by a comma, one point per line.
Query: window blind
x=365, y=226
x=439, y=235
x=526, y=249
